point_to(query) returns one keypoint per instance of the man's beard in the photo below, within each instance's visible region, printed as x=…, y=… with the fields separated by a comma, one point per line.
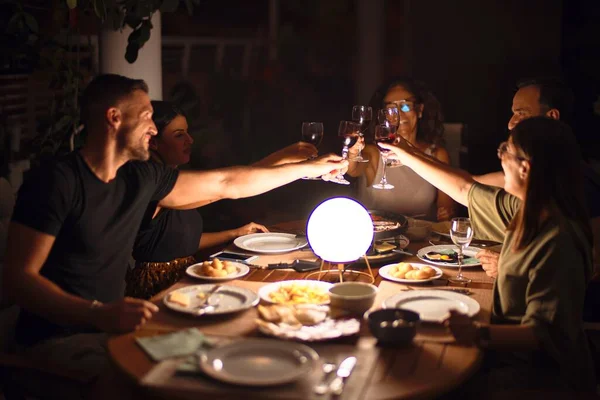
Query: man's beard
x=136, y=150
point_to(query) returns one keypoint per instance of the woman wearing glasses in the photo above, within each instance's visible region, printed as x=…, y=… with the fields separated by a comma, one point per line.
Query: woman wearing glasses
x=536, y=339
x=420, y=124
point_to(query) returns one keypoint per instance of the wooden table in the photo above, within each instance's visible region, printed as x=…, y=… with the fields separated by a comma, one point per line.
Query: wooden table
x=432, y=365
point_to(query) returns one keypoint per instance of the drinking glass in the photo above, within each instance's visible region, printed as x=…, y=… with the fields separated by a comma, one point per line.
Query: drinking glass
x=384, y=133
x=362, y=115
x=461, y=233
x=350, y=132
x=312, y=132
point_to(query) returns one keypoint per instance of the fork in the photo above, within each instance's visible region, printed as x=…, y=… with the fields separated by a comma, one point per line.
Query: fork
x=323, y=386
x=204, y=303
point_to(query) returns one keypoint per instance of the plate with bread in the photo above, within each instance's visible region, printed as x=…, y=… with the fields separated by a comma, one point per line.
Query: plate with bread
x=410, y=272
x=225, y=299
x=304, y=322
x=217, y=270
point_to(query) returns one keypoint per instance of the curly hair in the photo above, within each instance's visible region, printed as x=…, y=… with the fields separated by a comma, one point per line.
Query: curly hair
x=430, y=127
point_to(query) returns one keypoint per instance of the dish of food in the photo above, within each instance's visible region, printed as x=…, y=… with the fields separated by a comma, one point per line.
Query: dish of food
x=386, y=223
x=304, y=322
x=445, y=255
x=227, y=299
x=217, y=270
x=410, y=272
x=296, y=292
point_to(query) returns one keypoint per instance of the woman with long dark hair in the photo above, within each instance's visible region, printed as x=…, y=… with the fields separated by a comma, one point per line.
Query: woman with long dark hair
x=168, y=239
x=420, y=124
x=545, y=263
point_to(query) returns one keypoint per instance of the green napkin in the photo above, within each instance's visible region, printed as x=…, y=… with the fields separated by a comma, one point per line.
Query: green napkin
x=176, y=344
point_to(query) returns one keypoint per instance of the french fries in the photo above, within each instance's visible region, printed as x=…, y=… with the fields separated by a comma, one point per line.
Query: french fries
x=299, y=294
x=217, y=268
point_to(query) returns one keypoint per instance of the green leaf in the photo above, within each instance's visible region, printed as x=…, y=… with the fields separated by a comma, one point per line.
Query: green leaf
x=31, y=22
x=131, y=54
x=71, y=4
x=100, y=9
x=169, y=5
x=190, y=6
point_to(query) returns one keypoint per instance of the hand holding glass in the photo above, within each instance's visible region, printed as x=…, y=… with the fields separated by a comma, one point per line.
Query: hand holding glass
x=312, y=132
x=349, y=132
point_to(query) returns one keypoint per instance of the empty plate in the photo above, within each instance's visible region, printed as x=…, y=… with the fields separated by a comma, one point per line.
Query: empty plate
x=433, y=305
x=270, y=242
x=258, y=362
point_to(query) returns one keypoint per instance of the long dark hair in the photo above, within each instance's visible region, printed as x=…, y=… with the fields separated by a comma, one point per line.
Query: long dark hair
x=430, y=127
x=164, y=113
x=555, y=181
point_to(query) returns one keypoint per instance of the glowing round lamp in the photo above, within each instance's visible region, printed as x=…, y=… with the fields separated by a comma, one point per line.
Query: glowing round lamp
x=340, y=230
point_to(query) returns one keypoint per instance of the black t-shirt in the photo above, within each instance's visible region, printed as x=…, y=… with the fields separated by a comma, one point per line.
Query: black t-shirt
x=94, y=223
x=172, y=234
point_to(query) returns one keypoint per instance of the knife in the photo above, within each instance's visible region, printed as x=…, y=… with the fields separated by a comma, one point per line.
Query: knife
x=337, y=385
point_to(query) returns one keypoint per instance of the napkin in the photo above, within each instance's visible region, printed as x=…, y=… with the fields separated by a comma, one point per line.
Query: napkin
x=176, y=344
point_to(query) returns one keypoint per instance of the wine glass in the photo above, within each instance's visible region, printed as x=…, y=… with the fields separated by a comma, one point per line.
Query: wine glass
x=312, y=132
x=350, y=132
x=461, y=233
x=362, y=115
x=384, y=133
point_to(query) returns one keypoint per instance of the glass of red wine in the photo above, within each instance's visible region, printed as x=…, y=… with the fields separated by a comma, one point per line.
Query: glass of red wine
x=384, y=133
x=390, y=115
x=362, y=115
x=349, y=131
x=312, y=132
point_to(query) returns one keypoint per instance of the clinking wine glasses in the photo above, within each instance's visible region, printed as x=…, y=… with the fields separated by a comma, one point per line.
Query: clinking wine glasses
x=362, y=115
x=385, y=132
x=312, y=132
x=461, y=233
x=349, y=131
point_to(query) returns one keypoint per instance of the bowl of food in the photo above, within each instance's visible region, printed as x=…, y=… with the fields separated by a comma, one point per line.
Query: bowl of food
x=418, y=229
x=393, y=326
x=352, y=297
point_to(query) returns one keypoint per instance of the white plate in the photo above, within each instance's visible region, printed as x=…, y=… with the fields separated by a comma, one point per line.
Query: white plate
x=469, y=251
x=194, y=272
x=264, y=291
x=270, y=243
x=258, y=362
x=384, y=272
x=231, y=299
x=433, y=305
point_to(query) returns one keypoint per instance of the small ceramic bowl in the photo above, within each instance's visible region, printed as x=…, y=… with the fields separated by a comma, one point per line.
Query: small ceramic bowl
x=418, y=229
x=393, y=326
x=353, y=297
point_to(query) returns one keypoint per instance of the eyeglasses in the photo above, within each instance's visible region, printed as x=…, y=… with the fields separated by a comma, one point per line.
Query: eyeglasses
x=503, y=149
x=404, y=106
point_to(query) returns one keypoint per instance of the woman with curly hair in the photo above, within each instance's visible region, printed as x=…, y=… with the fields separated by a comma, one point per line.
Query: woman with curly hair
x=421, y=125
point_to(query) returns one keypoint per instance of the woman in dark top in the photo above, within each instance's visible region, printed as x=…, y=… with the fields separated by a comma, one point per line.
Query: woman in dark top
x=168, y=239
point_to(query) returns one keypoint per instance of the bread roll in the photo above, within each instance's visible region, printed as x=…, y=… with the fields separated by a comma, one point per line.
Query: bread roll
x=430, y=271
x=217, y=264
x=410, y=274
x=420, y=274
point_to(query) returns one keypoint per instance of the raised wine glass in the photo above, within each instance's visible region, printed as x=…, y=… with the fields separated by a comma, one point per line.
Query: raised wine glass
x=362, y=115
x=384, y=133
x=312, y=132
x=349, y=132
x=461, y=233
x=392, y=114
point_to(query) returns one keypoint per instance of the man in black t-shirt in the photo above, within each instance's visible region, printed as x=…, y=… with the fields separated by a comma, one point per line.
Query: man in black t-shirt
x=75, y=221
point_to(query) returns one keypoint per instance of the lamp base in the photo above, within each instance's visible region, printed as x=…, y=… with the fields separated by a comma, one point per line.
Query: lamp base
x=337, y=274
